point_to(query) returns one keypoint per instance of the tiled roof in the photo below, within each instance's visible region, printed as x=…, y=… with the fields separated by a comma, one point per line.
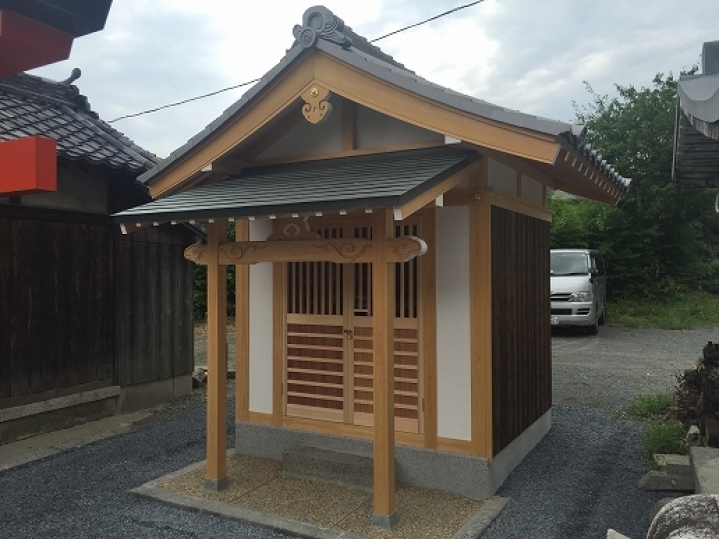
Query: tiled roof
x=348, y=183
x=340, y=42
x=31, y=105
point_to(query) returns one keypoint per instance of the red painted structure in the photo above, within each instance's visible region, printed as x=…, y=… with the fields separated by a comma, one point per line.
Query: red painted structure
x=28, y=165
x=34, y=33
x=26, y=43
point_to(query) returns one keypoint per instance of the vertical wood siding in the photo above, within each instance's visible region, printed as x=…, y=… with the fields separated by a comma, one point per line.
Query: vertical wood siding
x=521, y=336
x=56, y=306
x=153, y=291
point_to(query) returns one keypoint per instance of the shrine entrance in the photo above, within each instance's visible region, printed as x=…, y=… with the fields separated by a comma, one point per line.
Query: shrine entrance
x=328, y=339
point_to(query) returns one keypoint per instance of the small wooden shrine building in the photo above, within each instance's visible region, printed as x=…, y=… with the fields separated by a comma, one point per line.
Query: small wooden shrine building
x=392, y=253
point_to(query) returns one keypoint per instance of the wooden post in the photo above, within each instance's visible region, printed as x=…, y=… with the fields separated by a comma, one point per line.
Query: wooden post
x=480, y=263
x=216, y=473
x=383, y=293
x=242, y=329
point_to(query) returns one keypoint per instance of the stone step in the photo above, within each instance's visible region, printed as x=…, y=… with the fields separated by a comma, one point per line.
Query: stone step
x=346, y=469
x=674, y=464
x=705, y=462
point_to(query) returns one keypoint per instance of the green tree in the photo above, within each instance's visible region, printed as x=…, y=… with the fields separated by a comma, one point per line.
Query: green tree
x=656, y=240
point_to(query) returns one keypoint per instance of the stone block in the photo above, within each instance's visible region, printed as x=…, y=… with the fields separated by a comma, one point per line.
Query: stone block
x=660, y=480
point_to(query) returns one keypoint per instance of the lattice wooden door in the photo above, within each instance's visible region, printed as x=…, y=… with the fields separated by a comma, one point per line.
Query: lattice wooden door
x=329, y=372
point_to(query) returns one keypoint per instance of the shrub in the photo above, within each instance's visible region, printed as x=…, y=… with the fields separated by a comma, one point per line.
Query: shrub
x=664, y=437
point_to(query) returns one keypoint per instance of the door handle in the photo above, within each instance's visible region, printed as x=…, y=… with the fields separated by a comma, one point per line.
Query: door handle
x=349, y=333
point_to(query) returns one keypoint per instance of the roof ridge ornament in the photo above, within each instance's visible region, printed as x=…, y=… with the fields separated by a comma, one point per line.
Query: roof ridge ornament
x=319, y=22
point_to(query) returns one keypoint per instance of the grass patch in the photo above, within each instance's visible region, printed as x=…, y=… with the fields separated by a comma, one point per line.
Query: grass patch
x=683, y=311
x=649, y=406
x=664, y=437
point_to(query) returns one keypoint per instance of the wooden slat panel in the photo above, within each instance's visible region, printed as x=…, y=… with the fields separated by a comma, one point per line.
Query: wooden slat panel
x=521, y=331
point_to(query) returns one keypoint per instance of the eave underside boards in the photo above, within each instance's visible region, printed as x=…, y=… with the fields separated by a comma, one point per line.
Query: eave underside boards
x=696, y=161
x=358, y=183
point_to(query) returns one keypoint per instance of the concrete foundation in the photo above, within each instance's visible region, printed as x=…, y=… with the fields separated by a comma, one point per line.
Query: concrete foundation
x=141, y=396
x=55, y=413
x=464, y=475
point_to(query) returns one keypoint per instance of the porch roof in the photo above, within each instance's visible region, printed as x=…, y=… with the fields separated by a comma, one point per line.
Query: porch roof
x=349, y=183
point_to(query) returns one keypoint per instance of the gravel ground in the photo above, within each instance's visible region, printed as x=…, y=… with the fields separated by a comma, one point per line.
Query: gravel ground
x=606, y=371
x=579, y=481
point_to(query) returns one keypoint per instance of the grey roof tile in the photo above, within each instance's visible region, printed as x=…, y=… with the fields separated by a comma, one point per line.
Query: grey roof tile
x=31, y=105
x=340, y=184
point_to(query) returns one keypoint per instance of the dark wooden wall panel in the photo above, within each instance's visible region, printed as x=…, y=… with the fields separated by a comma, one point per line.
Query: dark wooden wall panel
x=521, y=337
x=57, y=302
x=154, y=306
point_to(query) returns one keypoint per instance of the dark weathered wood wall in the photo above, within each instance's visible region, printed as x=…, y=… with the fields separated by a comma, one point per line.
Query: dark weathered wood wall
x=521, y=335
x=83, y=306
x=56, y=305
x=154, y=289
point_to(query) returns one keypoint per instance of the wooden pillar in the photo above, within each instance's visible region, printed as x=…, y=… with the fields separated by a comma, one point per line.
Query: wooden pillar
x=383, y=299
x=480, y=263
x=216, y=473
x=242, y=329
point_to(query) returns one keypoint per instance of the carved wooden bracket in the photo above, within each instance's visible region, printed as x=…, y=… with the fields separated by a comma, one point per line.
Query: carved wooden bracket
x=339, y=251
x=316, y=108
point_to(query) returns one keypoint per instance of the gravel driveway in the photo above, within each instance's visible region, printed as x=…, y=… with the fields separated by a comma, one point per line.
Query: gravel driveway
x=609, y=369
x=579, y=481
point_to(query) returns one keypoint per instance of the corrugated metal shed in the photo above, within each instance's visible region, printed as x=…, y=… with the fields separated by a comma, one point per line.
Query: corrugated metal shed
x=31, y=105
x=350, y=183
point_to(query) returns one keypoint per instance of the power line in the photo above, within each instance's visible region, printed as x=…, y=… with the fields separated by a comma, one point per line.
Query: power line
x=415, y=25
x=203, y=96
x=177, y=103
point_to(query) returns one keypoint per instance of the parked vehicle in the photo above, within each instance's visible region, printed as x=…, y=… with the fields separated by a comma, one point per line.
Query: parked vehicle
x=578, y=288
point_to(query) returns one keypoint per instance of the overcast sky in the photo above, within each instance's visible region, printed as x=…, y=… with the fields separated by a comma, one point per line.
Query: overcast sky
x=529, y=55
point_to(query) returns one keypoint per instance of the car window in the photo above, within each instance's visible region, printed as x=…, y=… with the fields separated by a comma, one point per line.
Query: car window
x=569, y=264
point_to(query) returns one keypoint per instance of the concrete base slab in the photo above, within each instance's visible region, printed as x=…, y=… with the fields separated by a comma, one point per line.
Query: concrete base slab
x=385, y=522
x=159, y=490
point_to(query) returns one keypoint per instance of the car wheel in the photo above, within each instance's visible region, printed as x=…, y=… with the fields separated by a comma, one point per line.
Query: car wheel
x=593, y=329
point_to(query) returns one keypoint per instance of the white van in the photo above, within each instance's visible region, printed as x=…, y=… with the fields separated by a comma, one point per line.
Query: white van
x=578, y=289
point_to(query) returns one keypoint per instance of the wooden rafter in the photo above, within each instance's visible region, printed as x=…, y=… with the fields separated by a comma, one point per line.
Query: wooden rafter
x=318, y=250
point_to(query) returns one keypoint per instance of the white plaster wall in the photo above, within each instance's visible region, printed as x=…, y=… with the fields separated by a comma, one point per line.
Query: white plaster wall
x=260, y=325
x=501, y=177
x=453, y=324
x=375, y=130
x=310, y=139
x=532, y=191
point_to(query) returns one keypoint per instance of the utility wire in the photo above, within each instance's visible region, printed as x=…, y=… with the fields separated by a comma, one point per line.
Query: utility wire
x=203, y=96
x=415, y=25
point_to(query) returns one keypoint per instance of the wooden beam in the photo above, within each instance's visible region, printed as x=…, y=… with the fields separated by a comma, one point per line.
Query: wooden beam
x=242, y=329
x=480, y=292
x=349, y=125
x=467, y=197
x=411, y=108
x=385, y=505
x=429, y=196
x=340, y=251
x=216, y=474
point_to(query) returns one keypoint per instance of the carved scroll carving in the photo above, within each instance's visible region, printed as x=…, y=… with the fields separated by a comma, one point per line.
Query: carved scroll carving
x=316, y=108
x=296, y=230
x=339, y=251
x=320, y=23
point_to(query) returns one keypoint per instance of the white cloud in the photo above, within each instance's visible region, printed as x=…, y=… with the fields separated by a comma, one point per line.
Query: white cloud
x=530, y=56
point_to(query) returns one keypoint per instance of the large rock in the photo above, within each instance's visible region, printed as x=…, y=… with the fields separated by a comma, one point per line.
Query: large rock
x=688, y=517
